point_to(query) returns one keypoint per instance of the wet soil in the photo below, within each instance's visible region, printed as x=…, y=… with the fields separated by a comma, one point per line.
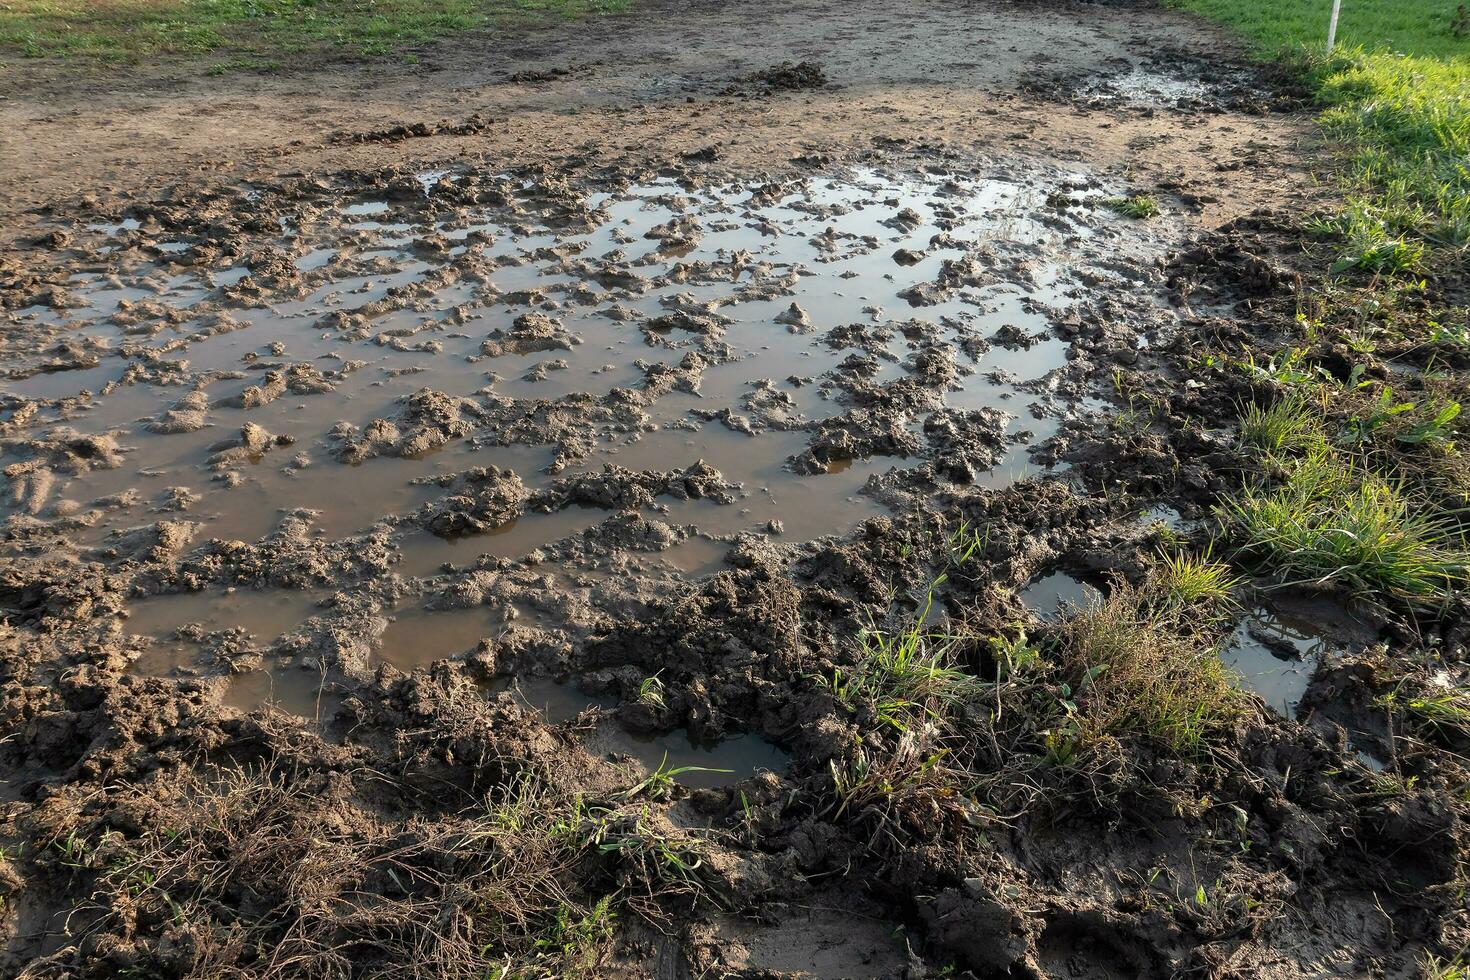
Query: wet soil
x=458, y=429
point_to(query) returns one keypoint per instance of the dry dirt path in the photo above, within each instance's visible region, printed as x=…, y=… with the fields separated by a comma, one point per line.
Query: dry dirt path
x=647, y=85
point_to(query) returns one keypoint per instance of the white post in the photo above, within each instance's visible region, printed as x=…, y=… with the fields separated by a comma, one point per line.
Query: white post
x=1332, y=26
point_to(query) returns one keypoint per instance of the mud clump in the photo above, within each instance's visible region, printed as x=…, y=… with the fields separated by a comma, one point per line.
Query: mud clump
x=530, y=333
x=189, y=414
x=426, y=421
x=538, y=76
x=788, y=76
x=480, y=499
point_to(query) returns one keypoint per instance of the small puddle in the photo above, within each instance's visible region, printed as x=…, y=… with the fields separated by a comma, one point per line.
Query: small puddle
x=1163, y=515
x=698, y=556
x=556, y=702
x=1275, y=655
x=806, y=506
x=292, y=690
x=417, y=636
x=422, y=554
x=255, y=508
x=1053, y=594
x=742, y=755
x=62, y=384
x=264, y=614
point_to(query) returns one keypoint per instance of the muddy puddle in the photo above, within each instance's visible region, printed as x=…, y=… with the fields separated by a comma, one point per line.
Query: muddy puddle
x=180, y=624
x=423, y=554
x=1058, y=593
x=725, y=762
x=263, y=614
x=290, y=689
x=1275, y=653
x=417, y=636
x=698, y=556
x=705, y=764
x=719, y=360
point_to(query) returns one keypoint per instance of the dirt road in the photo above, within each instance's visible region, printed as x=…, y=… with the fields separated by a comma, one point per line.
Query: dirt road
x=989, y=78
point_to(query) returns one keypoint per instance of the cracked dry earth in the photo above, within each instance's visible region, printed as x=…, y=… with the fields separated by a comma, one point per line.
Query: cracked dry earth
x=378, y=443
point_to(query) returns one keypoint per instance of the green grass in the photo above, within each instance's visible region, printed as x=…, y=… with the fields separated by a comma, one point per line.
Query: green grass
x=1435, y=968
x=1419, y=27
x=1139, y=667
x=1331, y=522
x=908, y=673
x=1408, y=122
x=254, y=32
x=1396, y=93
x=1446, y=710
x=1360, y=484
x=1288, y=425
x=660, y=784
x=1136, y=206
x=1196, y=583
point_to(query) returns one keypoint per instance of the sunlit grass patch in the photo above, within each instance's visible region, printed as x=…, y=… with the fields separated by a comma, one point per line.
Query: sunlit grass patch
x=1331, y=523
x=1286, y=426
x=1416, y=28
x=906, y=673
x=1397, y=94
x=1445, y=710
x=1195, y=582
x=1140, y=666
x=1136, y=206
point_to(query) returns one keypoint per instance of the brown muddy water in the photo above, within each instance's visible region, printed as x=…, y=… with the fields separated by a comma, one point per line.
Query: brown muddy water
x=706, y=763
x=792, y=337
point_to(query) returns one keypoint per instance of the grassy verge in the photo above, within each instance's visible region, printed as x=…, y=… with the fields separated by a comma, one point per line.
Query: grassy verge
x=1397, y=94
x=1357, y=423
x=254, y=33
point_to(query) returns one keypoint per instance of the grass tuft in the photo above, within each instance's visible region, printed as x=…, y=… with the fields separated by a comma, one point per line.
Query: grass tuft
x=1435, y=968
x=1136, y=206
x=1334, y=523
x=1196, y=584
x=907, y=673
x=1283, y=428
x=1446, y=710
x=1140, y=667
